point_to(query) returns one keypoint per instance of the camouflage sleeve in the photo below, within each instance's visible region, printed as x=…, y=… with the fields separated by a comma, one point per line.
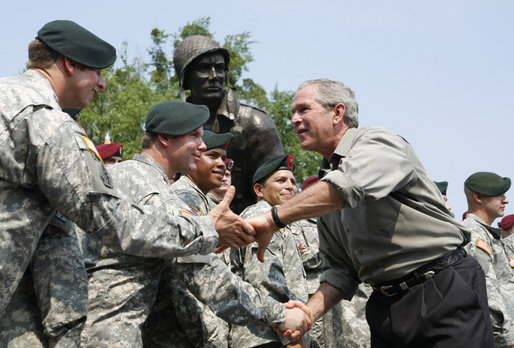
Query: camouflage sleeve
x=76, y=183
x=482, y=251
x=231, y=298
x=59, y=277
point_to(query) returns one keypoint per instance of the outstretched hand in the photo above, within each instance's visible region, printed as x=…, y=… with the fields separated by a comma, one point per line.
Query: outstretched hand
x=264, y=229
x=297, y=323
x=233, y=231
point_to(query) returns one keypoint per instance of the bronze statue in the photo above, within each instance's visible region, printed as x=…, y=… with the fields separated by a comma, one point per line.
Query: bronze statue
x=201, y=65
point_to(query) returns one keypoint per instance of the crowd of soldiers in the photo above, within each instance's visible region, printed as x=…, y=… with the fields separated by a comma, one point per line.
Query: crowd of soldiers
x=202, y=239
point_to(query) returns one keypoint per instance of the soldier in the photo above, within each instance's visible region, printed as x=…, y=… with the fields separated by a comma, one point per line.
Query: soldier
x=123, y=288
x=281, y=275
x=383, y=222
x=201, y=66
x=218, y=193
x=48, y=164
x=111, y=153
x=485, y=193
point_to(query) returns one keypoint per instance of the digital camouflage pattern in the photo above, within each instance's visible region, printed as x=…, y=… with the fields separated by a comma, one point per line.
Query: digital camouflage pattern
x=198, y=321
x=196, y=280
x=49, y=306
x=123, y=288
x=488, y=248
x=48, y=164
x=305, y=233
x=281, y=276
x=345, y=325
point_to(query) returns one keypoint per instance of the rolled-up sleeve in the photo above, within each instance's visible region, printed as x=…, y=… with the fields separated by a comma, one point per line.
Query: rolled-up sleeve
x=375, y=166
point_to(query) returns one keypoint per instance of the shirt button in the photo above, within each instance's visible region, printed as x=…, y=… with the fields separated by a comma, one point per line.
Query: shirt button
x=359, y=251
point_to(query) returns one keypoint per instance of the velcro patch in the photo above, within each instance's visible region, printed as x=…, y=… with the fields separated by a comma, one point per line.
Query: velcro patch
x=511, y=262
x=482, y=244
x=91, y=146
x=192, y=212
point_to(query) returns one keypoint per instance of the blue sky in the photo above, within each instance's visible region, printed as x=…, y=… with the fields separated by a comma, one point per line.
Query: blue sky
x=439, y=73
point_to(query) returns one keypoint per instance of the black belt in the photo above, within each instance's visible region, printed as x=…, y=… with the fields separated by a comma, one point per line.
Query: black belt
x=419, y=275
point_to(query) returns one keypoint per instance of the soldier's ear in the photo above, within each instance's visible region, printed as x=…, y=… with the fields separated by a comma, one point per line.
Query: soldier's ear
x=257, y=188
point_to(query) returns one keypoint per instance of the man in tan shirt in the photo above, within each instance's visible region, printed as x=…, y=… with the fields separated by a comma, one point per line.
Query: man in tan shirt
x=383, y=222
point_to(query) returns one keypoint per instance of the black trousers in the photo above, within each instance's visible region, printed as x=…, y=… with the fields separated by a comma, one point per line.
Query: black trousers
x=449, y=310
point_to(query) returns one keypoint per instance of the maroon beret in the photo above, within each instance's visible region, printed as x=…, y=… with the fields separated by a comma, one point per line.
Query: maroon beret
x=506, y=222
x=108, y=150
x=309, y=181
x=229, y=164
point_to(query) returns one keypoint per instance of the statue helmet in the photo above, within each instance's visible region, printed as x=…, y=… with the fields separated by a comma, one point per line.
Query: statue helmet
x=193, y=47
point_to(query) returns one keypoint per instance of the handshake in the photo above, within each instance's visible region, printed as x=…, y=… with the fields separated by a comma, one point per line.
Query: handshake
x=299, y=320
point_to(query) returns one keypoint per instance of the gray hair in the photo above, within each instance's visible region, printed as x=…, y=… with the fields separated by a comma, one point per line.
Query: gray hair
x=330, y=93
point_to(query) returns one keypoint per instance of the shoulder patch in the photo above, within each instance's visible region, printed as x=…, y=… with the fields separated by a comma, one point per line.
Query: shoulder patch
x=511, y=262
x=192, y=211
x=91, y=146
x=482, y=244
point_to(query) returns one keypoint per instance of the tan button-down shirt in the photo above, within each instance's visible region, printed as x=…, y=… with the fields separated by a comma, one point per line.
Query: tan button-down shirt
x=394, y=219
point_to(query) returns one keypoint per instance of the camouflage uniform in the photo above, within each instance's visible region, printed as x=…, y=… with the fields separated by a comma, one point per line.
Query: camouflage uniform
x=306, y=232
x=123, y=288
x=48, y=164
x=281, y=276
x=489, y=249
x=201, y=327
x=345, y=325
x=49, y=306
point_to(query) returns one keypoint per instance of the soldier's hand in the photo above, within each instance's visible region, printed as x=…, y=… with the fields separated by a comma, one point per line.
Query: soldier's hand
x=297, y=323
x=233, y=231
x=264, y=229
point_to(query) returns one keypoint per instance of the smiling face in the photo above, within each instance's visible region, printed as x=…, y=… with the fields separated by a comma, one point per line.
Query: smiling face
x=210, y=170
x=205, y=78
x=82, y=87
x=312, y=122
x=185, y=151
x=278, y=188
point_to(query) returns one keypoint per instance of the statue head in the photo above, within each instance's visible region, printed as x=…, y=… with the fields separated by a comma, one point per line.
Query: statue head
x=197, y=57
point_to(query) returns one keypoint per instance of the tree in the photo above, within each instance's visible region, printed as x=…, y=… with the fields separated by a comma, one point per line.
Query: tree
x=134, y=86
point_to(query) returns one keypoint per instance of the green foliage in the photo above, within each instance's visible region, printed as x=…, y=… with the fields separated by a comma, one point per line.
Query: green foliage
x=134, y=86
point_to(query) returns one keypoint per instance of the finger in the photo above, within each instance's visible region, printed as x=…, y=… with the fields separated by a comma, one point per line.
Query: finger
x=247, y=227
x=229, y=195
x=295, y=336
x=261, y=250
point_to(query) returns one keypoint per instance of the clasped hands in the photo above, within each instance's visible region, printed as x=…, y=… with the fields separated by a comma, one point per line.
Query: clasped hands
x=299, y=320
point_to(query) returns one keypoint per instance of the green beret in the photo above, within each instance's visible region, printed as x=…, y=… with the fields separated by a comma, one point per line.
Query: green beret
x=213, y=140
x=73, y=41
x=272, y=165
x=442, y=186
x=488, y=184
x=176, y=117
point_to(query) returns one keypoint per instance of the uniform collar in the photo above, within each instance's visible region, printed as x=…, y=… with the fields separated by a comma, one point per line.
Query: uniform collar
x=42, y=78
x=494, y=231
x=152, y=163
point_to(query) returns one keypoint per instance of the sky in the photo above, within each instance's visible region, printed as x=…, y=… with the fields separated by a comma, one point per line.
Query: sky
x=439, y=73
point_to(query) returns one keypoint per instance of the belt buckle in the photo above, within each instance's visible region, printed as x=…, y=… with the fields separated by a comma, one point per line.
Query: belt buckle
x=384, y=288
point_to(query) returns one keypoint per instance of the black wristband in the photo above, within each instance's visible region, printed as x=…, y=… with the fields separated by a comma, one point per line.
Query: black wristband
x=275, y=218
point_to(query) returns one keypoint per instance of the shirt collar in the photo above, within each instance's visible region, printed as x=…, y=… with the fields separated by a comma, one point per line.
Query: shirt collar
x=342, y=149
x=152, y=163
